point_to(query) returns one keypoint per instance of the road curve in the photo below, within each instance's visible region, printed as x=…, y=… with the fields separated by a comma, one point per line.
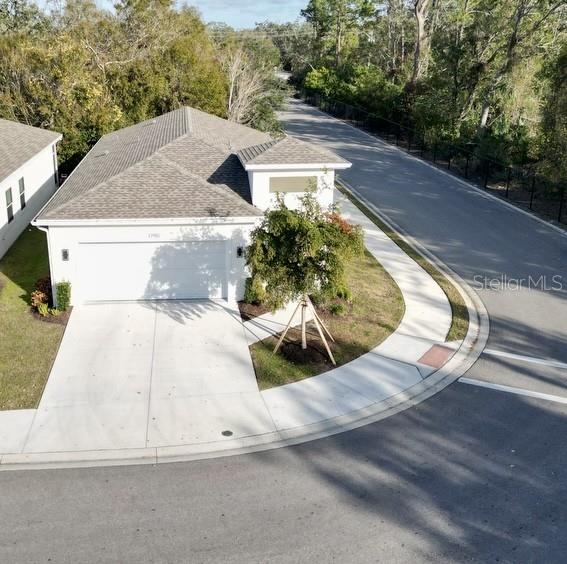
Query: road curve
x=473, y=474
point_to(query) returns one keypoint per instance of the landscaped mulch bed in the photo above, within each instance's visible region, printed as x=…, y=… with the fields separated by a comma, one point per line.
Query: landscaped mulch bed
x=250, y=311
x=60, y=319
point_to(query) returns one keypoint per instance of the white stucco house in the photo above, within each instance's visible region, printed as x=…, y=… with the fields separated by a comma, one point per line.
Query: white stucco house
x=28, y=176
x=164, y=209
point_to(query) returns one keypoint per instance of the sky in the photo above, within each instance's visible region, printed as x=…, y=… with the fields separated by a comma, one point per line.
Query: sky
x=237, y=13
x=245, y=13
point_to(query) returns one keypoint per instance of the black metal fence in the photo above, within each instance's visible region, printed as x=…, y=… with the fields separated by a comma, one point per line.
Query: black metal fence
x=521, y=186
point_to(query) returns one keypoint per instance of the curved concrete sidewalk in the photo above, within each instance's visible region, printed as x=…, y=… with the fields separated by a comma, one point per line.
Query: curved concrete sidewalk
x=409, y=366
x=404, y=359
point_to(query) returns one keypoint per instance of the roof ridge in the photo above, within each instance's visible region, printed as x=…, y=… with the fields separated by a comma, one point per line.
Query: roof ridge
x=274, y=143
x=119, y=132
x=261, y=148
x=189, y=116
x=285, y=148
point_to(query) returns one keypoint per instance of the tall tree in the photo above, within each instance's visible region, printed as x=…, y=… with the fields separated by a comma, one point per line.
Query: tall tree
x=519, y=29
x=554, y=123
x=423, y=11
x=337, y=21
x=89, y=71
x=21, y=16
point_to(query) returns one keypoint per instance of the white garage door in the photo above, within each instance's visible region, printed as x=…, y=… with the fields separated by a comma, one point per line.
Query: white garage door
x=152, y=271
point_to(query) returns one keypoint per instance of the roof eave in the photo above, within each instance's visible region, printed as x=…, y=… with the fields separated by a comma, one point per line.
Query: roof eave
x=207, y=220
x=297, y=166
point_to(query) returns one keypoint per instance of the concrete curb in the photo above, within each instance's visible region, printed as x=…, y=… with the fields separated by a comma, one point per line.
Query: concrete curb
x=464, y=357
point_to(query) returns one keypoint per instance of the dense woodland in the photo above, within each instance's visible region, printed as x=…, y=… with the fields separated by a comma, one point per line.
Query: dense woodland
x=84, y=71
x=491, y=74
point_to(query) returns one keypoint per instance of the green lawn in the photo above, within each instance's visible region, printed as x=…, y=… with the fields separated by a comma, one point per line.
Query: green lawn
x=375, y=312
x=27, y=345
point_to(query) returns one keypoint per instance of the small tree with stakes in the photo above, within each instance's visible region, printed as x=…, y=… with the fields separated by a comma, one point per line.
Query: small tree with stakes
x=296, y=253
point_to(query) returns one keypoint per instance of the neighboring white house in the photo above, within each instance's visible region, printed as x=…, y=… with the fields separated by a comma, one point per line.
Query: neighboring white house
x=164, y=209
x=28, y=176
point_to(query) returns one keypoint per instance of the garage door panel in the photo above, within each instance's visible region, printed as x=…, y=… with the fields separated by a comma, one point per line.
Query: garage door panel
x=168, y=270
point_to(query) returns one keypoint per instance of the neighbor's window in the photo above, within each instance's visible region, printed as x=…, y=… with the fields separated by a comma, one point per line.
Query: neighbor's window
x=293, y=183
x=9, y=205
x=22, y=193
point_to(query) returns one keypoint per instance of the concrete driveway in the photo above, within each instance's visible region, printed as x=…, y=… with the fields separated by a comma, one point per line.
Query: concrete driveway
x=131, y=375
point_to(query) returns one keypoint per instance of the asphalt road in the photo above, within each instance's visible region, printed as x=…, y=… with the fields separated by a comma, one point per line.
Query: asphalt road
x=497, y=250
x=472, y=474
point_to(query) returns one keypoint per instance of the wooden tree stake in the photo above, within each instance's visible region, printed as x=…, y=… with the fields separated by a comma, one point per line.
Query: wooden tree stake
x=280, y=341
x=322, y=335
x=303, y=335
x=305, y=303
x=316, y=315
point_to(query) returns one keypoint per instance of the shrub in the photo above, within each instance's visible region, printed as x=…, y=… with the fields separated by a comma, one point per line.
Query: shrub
x=300, y=252
x=63, y=295
x=38, y=298
x=44, y=285
x=344, y=293
x=337, y=309
x=317, y=299
x=43, y=309
x=254, y=292
x=55, y=312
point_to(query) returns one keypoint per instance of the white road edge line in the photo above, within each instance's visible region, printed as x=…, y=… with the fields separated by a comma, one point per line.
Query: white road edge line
x=534, y=360
x=513, y=390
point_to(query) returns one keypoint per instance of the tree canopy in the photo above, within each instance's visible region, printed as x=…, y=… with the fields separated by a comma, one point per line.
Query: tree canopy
x=85, y=71
x=475, y=71
x=301, y=252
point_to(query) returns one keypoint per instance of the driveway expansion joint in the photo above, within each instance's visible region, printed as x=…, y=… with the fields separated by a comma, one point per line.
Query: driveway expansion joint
x=151, y=376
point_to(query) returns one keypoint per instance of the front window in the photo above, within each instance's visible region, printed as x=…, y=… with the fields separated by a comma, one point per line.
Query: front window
x=22, y=193
x=293, y=183
x=9, y=205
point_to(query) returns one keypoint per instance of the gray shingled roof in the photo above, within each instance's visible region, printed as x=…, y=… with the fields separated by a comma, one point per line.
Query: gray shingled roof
x=181, y=164
x=19, y=143
x=288, y=150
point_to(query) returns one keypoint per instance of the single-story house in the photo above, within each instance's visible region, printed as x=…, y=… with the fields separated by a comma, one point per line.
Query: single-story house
x=164, y=209
x=28, y=176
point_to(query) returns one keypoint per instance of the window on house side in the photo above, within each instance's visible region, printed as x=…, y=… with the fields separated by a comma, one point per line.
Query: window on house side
x=22, y=193
x=9, y=205
x=292, y=183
